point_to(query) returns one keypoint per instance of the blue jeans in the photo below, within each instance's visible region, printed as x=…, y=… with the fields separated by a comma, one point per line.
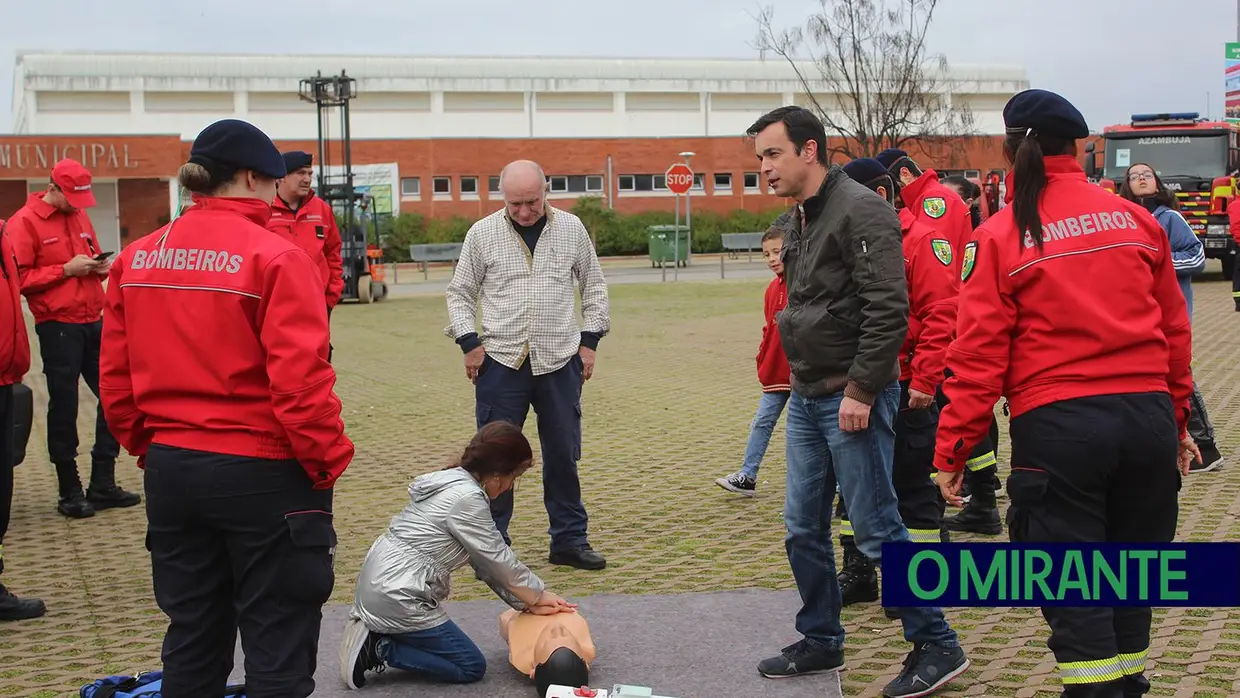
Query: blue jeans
x=820, y=457
x=769, y=408
x=442, y=653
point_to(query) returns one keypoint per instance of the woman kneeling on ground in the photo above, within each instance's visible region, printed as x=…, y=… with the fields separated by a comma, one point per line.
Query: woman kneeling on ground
x=397, y=618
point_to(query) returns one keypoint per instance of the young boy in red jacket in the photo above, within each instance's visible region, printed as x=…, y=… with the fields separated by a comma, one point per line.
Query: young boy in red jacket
x=773, y=372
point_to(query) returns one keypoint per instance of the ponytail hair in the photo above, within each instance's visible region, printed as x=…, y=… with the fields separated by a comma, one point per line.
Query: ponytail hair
x=1025, y=148
x=203, y=176
x=499, y=448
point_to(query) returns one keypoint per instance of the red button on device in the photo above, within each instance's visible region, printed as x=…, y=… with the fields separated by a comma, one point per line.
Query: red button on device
x=585, y=691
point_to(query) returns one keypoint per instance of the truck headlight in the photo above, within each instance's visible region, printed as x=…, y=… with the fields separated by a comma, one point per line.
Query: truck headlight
x=1216, y=230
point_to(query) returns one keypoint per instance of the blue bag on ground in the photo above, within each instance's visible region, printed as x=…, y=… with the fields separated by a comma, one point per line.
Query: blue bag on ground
x=144, y=685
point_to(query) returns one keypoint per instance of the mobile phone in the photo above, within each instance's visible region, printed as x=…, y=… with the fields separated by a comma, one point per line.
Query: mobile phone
x=102, y=256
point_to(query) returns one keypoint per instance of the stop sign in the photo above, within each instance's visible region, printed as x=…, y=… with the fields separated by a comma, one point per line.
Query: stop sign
x=679, y=178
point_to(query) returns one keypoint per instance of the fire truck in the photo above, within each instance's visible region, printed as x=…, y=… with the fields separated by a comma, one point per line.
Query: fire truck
x=1197, y=159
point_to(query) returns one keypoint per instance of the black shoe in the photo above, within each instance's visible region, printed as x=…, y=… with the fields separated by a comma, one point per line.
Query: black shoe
x=926, y=669
x=1211, y=459
x=359, y=653
x=13, y=608
x=583, y=558
x=858, y=580
x=800, y=659
x=111, y=497
x=737, y=482
x=978, y=516
x=75, y=506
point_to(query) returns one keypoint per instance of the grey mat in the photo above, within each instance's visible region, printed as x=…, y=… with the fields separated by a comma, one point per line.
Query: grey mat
x=684, y=646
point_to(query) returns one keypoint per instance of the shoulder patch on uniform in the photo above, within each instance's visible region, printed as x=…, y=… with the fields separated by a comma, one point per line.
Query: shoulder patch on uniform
x=942, y=251
x=934, y=206
x=970, y=257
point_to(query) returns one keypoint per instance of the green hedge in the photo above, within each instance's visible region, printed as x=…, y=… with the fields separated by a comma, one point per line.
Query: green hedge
x=615, y=234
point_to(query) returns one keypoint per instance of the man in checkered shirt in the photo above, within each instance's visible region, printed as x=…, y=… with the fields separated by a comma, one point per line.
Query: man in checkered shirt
x=525, y=262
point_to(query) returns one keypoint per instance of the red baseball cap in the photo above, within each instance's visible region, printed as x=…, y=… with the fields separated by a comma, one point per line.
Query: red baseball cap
x=74, y=181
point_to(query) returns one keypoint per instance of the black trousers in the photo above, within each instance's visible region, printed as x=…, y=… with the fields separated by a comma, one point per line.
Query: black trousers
x=1235, y=286
x=503, y=394
x=6, y=467
x=1096, y=469
x=238, y=544
x=921, y=507
x=71, y=351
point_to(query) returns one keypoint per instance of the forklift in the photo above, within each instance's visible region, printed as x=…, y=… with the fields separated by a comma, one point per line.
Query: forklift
x=361, y=250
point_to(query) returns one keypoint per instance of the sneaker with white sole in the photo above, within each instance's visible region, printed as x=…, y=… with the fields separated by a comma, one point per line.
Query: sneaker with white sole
x=1211, y=459
x=739, y=483
x=359, y=653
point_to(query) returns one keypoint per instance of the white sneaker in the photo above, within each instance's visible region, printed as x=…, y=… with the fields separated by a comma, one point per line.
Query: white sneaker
x=358, y=654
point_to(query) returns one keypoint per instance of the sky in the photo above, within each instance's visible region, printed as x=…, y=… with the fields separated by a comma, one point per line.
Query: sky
x=1111, y=58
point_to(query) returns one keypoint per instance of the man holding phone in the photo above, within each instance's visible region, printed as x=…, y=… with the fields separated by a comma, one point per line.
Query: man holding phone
x=61, y=269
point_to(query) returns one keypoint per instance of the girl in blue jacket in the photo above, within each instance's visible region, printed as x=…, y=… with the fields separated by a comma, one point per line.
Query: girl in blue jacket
x=1143, y=185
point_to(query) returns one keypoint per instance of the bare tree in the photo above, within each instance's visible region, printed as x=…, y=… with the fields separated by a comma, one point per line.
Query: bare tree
x=877, y=86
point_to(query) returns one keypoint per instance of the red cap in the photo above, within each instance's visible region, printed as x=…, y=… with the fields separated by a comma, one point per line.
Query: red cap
x=74, y=181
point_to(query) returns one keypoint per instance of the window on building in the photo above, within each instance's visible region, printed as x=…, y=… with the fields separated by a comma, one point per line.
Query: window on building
x=442, y=185
x=469, y=186
x=410, y=187
x=699, y=182
x=575, y=184
x=723, y=182
x=643, y=182
x=493, y=184
x=751, y=181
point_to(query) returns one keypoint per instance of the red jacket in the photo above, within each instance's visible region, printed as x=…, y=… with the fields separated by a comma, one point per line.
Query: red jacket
x=930, y=269
x=229, y=343
x=939, y=206
x=1098, y=312
x=44, y=239
x=313, y=228
x=14, y=342
x=1233, y=218
x=773, y=371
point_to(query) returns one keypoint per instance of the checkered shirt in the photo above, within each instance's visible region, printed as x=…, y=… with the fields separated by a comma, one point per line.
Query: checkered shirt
x=528, y=303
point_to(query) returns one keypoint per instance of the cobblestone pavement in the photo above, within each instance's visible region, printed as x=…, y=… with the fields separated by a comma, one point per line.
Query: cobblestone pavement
x=667, y=412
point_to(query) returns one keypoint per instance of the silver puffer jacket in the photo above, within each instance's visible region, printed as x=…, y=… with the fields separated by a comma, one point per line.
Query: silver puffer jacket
x=446, y=524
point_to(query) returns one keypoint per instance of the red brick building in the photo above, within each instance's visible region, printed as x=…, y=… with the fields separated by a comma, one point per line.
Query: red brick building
x=441, y=177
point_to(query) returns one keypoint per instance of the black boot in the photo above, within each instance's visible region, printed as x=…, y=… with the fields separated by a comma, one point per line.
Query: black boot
x=858, y=580
x=104, y=493
x=13, y=608
x=981, y=514
x=75, y=505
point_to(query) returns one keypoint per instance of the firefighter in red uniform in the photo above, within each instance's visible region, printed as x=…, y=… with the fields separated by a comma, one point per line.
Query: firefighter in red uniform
x=930, y=200
x=309, y=222
x=1233, y=219
x=214, y=373
x=16, y=362
x=1097, y=377
x=930, y=271
x=62, y=269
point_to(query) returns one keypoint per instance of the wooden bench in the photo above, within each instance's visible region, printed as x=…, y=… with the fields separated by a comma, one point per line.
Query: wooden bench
x=441, y=252
x=735, y=243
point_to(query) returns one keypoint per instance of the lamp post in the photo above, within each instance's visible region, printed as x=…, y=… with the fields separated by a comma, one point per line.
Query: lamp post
x=689, y=208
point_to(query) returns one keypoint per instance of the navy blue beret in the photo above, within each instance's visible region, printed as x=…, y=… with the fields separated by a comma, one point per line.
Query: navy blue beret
x=238, y=145
x=296, y=159
x=1044, y=112
x=889, y=156
x=865, y=170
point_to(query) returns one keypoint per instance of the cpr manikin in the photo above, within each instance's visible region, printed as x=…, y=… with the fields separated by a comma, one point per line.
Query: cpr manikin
x=550, y=649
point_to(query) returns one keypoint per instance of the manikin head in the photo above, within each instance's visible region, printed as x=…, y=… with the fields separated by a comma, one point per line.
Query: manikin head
x=524, y=187
x=563, y=668
x=791, y=146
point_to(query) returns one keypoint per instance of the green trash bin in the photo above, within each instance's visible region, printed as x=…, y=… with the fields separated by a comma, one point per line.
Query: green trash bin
x=665, y=246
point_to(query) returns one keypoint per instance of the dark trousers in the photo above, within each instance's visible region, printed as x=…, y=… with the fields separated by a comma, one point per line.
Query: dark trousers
x=504, y=394
x=442, y=653
x=1235, y=287
x=238, y=544
x=6, y=464
x=70, y=351
x=921, y=507
x=1096, y=469
x=1199, y=424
